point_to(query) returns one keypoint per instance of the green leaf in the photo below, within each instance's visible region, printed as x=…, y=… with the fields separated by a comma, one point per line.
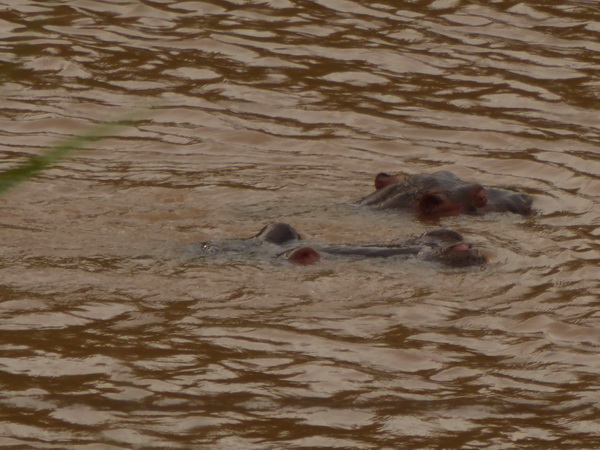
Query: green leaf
x=28, y=169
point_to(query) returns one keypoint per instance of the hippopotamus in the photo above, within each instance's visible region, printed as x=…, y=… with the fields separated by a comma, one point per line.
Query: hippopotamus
x=281, y=240
x=443, y=194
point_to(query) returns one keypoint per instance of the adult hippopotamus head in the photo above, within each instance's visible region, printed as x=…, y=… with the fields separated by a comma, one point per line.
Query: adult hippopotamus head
x=443, y=194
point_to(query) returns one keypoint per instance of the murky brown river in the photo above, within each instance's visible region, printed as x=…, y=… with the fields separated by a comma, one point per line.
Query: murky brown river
x=284, y=110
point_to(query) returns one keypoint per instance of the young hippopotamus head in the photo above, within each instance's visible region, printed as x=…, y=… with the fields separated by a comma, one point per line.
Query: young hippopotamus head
x=443, y=194
x=282, y=240
x=443, y=246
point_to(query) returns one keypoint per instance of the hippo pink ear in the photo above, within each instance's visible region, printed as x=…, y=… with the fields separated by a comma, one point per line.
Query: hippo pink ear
x=383, y=179
x=304, y=256
x=436, y=203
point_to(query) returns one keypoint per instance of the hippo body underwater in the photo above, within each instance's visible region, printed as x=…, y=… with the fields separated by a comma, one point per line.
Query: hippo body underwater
x=443, y=194
x=281, y=240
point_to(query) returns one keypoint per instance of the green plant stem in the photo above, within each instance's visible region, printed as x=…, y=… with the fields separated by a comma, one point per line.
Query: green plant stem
x=26, y=170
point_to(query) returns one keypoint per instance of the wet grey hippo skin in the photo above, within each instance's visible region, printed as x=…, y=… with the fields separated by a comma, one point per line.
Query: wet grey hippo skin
x=443, y=194
x=282, y=240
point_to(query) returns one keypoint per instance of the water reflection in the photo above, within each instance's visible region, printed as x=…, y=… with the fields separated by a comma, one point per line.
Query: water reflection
x=284, y=111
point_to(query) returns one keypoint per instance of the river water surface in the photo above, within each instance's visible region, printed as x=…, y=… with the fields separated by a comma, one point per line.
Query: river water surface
x=284, y=110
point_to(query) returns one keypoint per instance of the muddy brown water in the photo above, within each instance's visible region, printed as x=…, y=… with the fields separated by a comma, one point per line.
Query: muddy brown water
x=282, y=110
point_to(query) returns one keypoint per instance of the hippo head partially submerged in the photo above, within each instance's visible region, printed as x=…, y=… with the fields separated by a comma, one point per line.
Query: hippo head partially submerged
x=442, y=246
x=281, y=240
x=443, y=194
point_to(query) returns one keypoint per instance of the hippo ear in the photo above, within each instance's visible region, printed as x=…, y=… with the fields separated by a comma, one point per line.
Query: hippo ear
x=304, y=256
x=384, y=179
x=436, y=203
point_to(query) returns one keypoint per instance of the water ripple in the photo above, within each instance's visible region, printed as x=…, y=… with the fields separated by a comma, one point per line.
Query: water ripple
x=255, y=112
